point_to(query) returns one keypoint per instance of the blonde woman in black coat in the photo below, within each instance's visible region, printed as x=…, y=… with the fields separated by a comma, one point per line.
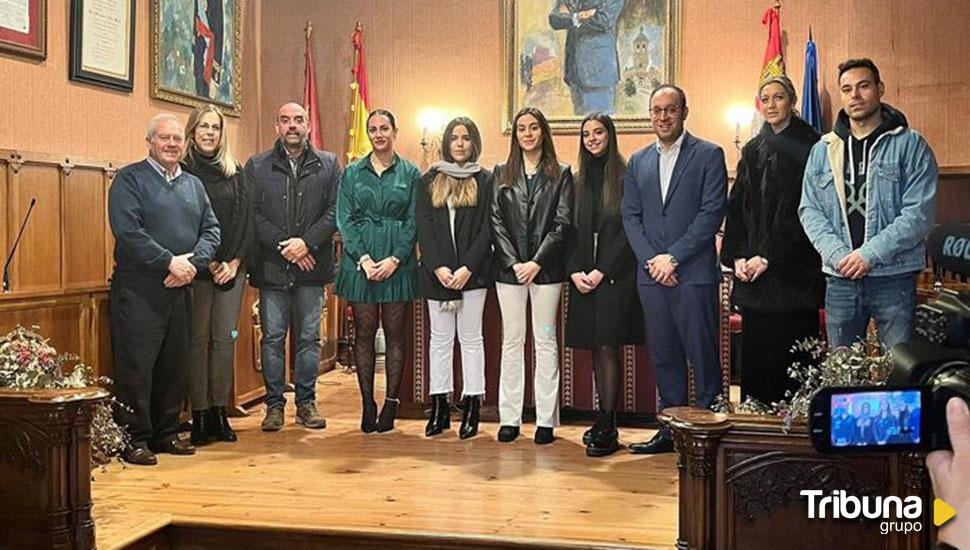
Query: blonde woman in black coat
x=603, y=311
x=455, y=239
x=778, y=274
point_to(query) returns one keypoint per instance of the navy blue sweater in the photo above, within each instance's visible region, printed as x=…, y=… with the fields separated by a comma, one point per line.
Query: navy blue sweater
x=153, y=220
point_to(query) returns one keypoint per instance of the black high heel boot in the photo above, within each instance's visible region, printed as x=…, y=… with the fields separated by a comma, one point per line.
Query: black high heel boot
x=200, y=428
x=604, y=439
x=219, y=427
x=439, y=419
x=469, y=418
x=385, y=422
x=368, y=417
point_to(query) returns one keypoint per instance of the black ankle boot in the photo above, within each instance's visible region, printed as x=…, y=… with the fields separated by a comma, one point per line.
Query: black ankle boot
x=439, y=419
x=219, y=427
x=368, y=417
x=604, y=438
x=200, y=427
x=469, y=418
x=388, y=413
x=589, y=432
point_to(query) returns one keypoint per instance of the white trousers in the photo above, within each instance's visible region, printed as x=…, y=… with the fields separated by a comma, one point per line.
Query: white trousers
x=512, y=300
x=467, y=320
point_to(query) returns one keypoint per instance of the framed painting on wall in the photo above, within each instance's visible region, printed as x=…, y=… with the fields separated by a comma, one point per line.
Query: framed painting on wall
x=197, y=52
x=23, y=27
x=570, y=58
x=103, y=43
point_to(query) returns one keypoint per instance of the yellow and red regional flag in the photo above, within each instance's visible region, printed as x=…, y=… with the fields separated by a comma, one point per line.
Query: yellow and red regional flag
x=359, y=145
x=310, y=93
x=773, y=64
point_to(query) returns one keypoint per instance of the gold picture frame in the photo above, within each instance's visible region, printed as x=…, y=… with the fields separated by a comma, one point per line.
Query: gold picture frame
x=195, y=64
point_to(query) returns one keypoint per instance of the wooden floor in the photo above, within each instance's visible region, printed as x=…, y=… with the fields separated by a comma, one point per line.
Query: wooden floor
x=342, y=480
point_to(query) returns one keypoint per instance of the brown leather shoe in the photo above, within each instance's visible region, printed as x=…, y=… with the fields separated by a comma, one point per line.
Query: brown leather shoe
x=140, y=456
x=307, y=415
x=174, y=446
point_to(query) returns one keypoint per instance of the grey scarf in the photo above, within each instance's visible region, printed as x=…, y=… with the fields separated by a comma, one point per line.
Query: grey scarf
x=455, y=171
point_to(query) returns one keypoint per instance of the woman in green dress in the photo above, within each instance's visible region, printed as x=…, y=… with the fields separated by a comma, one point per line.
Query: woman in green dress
x=375, y=217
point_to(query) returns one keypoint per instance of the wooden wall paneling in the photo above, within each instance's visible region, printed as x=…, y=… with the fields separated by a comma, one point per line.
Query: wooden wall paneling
x=4, y=207
x=248, y=375
x=109, y=239
x=953, y=195
x=84, y=218
x=37, y=264
x=58, y=319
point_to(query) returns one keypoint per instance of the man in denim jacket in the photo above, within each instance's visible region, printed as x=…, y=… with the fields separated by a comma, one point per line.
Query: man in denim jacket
x=867, y=203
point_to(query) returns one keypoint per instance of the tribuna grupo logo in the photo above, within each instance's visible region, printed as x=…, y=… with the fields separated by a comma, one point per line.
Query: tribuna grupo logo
x=898, y=515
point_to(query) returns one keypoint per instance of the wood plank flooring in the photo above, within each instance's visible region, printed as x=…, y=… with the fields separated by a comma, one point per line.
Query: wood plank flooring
x=339, y=479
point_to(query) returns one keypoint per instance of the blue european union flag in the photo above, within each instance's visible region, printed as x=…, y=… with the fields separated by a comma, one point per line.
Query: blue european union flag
x=811, y=105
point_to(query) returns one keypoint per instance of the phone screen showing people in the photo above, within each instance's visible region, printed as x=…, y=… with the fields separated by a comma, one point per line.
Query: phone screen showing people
x=875, y=418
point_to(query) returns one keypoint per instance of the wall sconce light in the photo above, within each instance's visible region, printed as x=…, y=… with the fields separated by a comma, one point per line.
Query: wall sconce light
x=738, y=114
x=432, y=122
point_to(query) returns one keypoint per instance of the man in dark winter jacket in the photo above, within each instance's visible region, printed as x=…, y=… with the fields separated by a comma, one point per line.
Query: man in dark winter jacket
x=295, y=193
x=867, y=204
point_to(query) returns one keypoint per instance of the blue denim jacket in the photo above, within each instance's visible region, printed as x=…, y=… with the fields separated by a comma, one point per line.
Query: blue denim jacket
x=900, y=202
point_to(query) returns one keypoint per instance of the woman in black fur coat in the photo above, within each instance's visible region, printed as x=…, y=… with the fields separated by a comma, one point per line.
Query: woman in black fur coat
x=778, y=278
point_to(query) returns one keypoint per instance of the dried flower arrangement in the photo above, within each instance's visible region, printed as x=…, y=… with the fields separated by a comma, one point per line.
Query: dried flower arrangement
x=28, y=361
x=845, y=366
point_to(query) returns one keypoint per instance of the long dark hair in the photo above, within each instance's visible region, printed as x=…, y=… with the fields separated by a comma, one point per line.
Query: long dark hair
x=548, y=162
x=612, y=172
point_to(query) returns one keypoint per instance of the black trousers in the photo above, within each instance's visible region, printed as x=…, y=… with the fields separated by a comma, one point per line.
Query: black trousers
x=151, y=328
x=766, y=341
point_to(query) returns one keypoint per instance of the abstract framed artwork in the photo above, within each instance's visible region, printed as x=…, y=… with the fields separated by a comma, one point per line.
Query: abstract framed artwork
x=197, y=52
x=103, y=43
x=23, y=28
x=573, y=57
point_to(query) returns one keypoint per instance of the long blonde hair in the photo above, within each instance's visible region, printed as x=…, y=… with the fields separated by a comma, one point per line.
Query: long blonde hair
x=223, y=156
x=462, y=192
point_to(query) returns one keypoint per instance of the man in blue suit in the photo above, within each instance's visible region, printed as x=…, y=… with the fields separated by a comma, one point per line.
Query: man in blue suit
x=592, y=66
x=675, y=194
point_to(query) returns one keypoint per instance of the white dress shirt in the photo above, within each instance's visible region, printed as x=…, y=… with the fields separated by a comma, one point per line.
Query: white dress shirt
x=668, y=159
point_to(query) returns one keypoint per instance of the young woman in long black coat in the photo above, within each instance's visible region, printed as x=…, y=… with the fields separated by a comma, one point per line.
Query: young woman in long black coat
x=604, y=313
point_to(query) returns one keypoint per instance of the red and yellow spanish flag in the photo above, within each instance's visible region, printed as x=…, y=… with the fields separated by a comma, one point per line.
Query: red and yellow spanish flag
x=359, y=145
x=773, y=64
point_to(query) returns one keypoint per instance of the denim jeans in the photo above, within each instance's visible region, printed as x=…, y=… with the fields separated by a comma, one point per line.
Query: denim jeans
x=298, y=307
x=890, y=301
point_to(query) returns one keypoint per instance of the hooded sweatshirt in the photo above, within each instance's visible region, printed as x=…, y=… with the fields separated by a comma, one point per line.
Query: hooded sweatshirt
x=857, y=155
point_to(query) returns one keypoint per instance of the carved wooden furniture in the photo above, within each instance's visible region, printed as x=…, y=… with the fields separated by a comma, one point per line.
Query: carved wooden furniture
x=45, y=468
x=740, y=478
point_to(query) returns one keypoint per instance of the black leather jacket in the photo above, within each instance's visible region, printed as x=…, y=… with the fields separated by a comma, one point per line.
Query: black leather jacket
x=532, y=227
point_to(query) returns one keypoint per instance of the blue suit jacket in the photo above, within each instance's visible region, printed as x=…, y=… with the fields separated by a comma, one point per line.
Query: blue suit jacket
x=591, y=57
x=686, y=225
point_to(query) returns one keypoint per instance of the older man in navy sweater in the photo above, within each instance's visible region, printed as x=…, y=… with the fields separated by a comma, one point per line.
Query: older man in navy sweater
x=165, y=232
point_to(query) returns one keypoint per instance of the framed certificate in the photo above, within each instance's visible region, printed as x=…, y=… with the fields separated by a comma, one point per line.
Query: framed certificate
x=103, y=43
x=23, y=27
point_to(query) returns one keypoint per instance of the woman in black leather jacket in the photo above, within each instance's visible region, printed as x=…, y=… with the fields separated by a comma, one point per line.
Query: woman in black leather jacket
x=532, y=221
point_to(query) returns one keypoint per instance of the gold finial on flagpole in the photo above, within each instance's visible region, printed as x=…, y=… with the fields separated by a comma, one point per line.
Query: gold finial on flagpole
x=308, y=29
x=777, y=5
